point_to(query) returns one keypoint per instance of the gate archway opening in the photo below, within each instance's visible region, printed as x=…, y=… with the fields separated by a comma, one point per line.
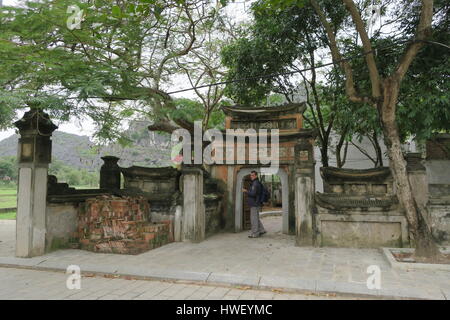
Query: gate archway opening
x=239, y=196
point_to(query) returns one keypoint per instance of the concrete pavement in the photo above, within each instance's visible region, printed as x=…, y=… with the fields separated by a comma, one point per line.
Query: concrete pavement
x=20, y=284
x=270, y=262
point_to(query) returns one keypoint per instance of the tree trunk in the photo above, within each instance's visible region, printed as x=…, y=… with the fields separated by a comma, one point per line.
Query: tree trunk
x=424, y=242
x=341, y=160
x=324, y=153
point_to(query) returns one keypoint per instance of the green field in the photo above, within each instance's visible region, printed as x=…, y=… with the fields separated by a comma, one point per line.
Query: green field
x=8, y=199
x=8, y=216
x=84, y=187
x=8, y=191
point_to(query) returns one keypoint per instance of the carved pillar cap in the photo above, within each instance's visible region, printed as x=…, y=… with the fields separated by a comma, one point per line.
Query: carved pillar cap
x=35, y=121
x=191, y=168
x=110, y=159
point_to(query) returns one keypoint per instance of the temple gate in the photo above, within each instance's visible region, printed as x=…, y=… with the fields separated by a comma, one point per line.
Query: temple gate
x=295, y=165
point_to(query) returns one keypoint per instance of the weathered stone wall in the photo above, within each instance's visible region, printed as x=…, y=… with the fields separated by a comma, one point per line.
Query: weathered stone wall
x=160, y=186
x=438, y=174
x=363, y=233
x=61, y=225
x=361, y=227
x=213, y=214
x=151, y=180
x=63, y=203
x=439, y=211
x=111, y=224
x=438, y=171
x=161, y=210
x=359, y=209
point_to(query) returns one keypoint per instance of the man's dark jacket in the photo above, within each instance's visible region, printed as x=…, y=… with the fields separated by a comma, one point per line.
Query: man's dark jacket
x=254, y=194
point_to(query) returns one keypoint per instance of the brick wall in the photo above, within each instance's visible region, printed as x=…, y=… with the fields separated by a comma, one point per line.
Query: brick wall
x=112, y=224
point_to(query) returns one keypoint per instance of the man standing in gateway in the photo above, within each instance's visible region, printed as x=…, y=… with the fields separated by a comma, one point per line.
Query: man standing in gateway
x=254, y=202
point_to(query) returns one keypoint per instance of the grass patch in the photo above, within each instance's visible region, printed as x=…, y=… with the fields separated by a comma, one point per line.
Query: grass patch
x=8, y=198
x=8, y=216
x=8, y=202
x=8, y=192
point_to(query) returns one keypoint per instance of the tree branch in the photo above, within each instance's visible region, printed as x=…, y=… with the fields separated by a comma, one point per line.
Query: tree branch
x=369, y=56
x=422, y=33
x=345, y=66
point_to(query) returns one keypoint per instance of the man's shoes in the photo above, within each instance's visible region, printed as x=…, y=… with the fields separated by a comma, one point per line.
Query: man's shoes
x=253, y=236
x=261, y=233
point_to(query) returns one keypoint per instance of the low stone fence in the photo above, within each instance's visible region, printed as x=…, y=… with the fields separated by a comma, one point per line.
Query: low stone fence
x=359, y=209
x=160, y=186
x=6, y=210
x=66, y=206
x=111, y=224
x=213, y=213
x=439, y=211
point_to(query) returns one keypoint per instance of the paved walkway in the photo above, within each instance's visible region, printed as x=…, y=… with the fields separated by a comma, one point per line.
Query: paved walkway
x=31, y=284
x=272, y=261
x=7, y=237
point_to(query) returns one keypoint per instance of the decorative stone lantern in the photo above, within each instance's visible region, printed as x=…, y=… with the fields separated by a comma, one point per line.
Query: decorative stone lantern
x=35, y=129
x=34, y=155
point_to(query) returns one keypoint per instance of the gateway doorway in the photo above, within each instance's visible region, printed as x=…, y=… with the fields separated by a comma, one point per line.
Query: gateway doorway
x=242, y=211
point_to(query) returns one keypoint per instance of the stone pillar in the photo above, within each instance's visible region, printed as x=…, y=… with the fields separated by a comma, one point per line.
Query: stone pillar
x=177, y=232
x=34, y=155
x=304, y=192
x=193, y=222
x=417, y=176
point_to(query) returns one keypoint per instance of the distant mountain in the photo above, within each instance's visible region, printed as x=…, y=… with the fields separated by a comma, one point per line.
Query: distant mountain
x=148, y=149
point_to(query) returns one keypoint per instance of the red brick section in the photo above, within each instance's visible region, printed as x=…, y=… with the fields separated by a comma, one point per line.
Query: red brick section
x=111, y=224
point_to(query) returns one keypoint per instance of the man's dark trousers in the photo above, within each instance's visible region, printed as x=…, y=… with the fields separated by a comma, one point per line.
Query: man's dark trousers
x=255, y=207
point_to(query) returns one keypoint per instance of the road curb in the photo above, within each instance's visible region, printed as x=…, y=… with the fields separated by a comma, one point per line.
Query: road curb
x=387, y=253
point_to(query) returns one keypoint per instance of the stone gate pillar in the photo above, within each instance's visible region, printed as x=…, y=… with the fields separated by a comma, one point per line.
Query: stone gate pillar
x=34, y=155
x=304, y=191
x=193, y=221
x=417, y=176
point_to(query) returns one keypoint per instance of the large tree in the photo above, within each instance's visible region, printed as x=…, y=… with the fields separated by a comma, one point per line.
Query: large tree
x=285, y=42
x=109, y=61
x=384, y=83
x=385, y=90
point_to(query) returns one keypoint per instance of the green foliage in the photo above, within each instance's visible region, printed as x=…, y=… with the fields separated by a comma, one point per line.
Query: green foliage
x=72, y=176
x=278, y=41
x=95, y=69
x=424, y=102
x=8, y=168
x=8, y=216
x=8, y=201
x=424, y=99
x=192, y=110
x=283, y=35
x=286, y=39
